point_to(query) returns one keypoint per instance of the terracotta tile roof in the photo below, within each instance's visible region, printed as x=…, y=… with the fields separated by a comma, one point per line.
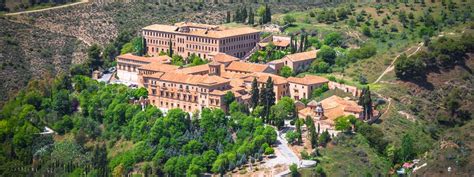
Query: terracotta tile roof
x=247, y=67
x=313, y=103
x=158, y=59
x=334, y=107
x=302, y=56
x=263, y=77
x=281, y=43
x=217, y=92
x=159, y=67
x=213, y=33
x=192, y=79
x=232, y=75
x=308, y=80
x=277, y=61
x=224, y=58
x=194, y=69
x=191, y=24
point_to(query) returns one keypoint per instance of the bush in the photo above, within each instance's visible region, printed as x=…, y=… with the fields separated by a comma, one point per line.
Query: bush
x=269, y=151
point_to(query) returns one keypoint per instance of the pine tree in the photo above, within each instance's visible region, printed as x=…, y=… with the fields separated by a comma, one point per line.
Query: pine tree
x=170, y=53
x=255, y=93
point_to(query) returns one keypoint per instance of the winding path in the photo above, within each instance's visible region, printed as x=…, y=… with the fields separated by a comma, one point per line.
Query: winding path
x=49, y=8
x=391, y=66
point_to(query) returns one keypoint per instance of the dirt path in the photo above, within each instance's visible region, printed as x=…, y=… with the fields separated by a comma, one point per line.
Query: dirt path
x=45, y=9
x=391, y=66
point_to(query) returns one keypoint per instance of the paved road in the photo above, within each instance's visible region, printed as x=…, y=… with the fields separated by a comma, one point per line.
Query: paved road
x=285, y=150
x=45, y=9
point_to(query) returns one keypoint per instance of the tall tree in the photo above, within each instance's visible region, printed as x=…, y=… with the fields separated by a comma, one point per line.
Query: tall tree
x=255, y=93
x=170, y=53
x=228, y=17
x=366, y=102
x=269, y=97
x=243, y=14
x=313, y=136
x=229, y=97
x=93, y=53
x=298, y=123
x=251, y=19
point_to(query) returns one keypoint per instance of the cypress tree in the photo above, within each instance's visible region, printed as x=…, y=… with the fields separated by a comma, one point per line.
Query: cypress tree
x=291, y=43
x=298, y=130
x=170, y=53
x=366, y=102
x=269, y=96
x=243, y=14
x=228, y=17
x=255, y=93
x=301, y=42
x=263, y=97
x=251, y=19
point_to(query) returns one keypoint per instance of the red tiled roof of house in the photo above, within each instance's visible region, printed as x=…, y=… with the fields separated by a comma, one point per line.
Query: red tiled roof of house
x=263, y=77
x=159, y=67
x=302, y=56
x=224, y=58
x=308, y=80
x=195, y=69
x=247, y=67
x=213, y=33
x=192, y=79
x=158, y=59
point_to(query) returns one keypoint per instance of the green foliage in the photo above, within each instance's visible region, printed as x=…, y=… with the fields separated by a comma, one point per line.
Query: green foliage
x=409, y=67
x=269, y=151
x=294, y=170
x=324, y=138
x=229, y=97
x=195, y=60
x=286, y=71
x=319, y=66
x=333, y=39
x=94, y=56
x=289, y=19
x=319, y=91
x=345, y=123
x=255, y=92
x=327, y=54
x=292, y=137
x=177, y=60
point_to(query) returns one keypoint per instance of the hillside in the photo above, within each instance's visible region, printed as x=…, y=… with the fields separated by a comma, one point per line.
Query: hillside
x=28, y=52
x=101, y=22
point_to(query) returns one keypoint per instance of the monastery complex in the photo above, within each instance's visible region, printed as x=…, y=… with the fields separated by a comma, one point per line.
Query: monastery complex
x=204, y=86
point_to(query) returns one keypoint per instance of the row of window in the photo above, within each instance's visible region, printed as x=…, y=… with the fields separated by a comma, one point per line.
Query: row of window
x=199, y=47
x=159, y=34
x=235, y=47
x=159, y=42
x=239, y=38
x=171, y=105
x=179, y=96
x=201, y=40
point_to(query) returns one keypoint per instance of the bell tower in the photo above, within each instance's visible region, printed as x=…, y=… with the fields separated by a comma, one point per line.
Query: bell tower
x=214, y=68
